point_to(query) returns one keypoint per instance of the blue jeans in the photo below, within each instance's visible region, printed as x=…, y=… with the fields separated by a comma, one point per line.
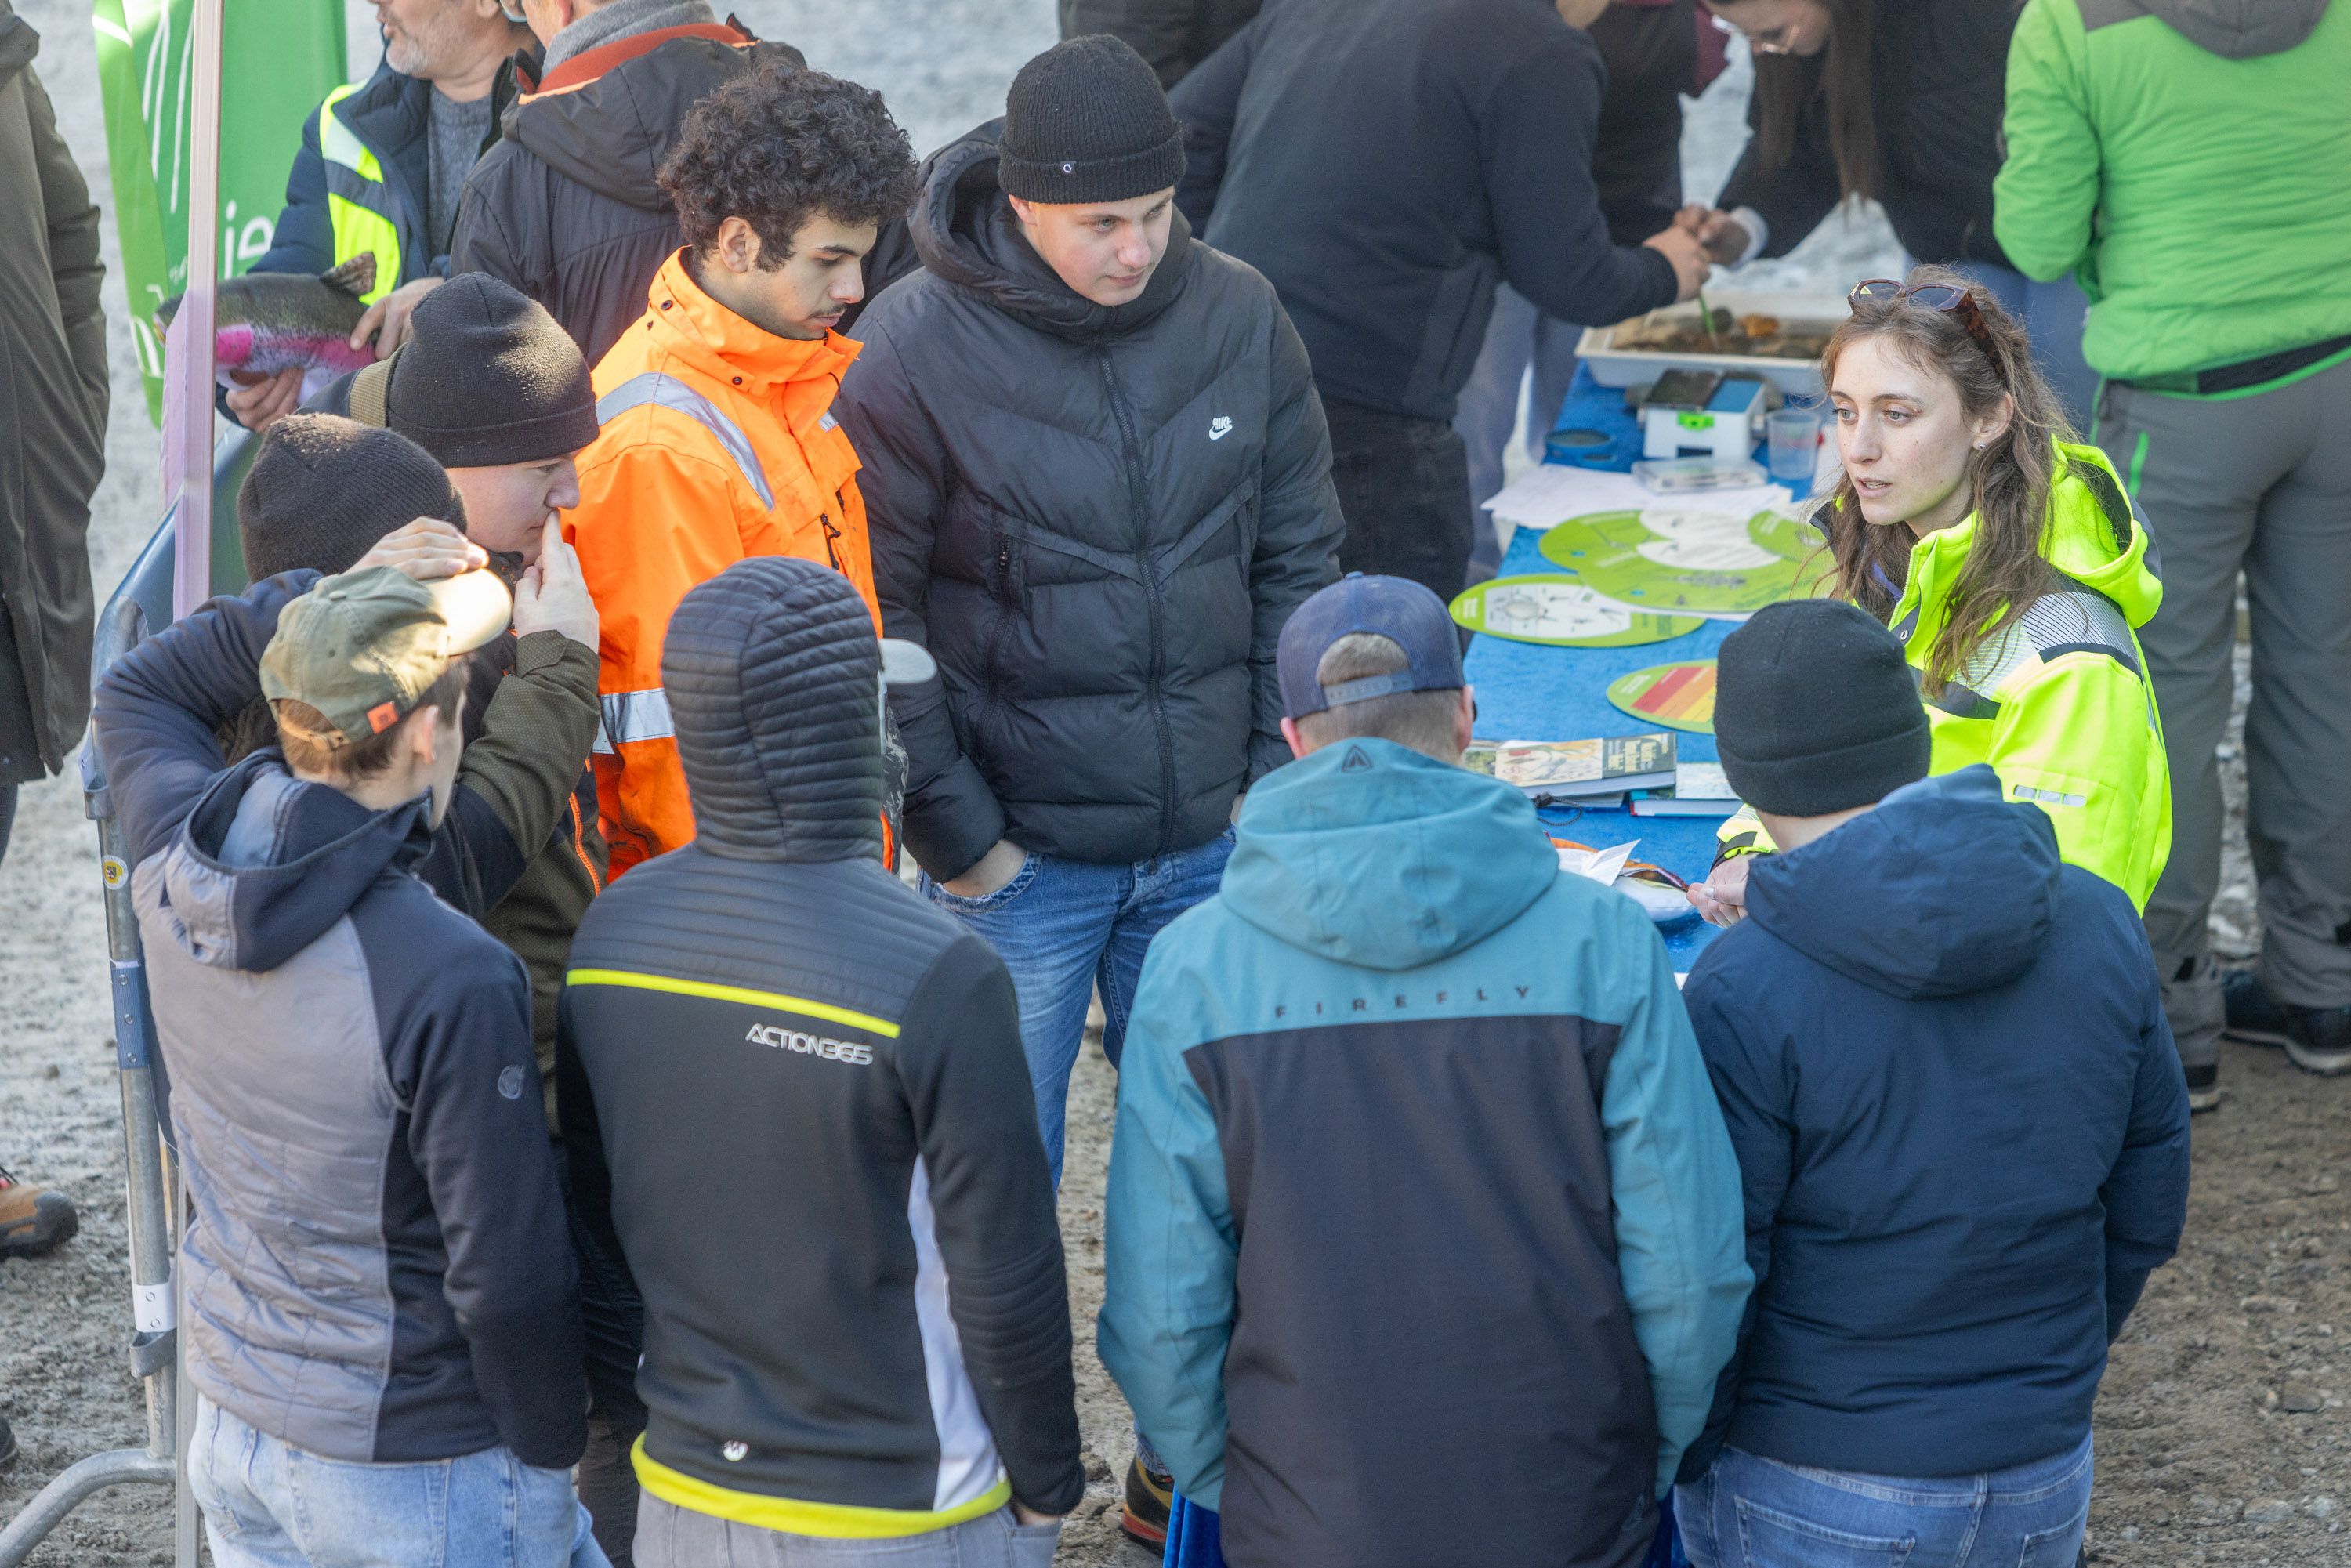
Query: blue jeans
x=269, y=1504
x=1753, y=1512
x=1519, y=339
x=1064, y=928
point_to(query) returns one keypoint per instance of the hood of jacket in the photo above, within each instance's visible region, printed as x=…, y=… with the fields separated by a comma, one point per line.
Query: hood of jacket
x=2239, y=30
x=18, y=43
x=963, y=229
x=265, y=863
x=1370, y=853
x=1945, y=889
x=2092, y=536
x=611, y=135
x=775, y=687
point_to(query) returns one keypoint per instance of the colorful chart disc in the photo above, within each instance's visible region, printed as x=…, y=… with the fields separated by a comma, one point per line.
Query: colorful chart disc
x=1688, y=560
x=1558, y=610
x=1679, y=696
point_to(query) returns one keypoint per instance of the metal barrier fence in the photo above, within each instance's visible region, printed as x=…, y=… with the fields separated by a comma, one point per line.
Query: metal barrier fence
x=140, y=603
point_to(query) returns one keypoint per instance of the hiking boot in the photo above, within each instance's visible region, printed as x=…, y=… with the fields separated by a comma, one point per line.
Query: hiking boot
x=2203, y=1087
x=2316, y=1039
x=32, y=1220
x=1150, y=1497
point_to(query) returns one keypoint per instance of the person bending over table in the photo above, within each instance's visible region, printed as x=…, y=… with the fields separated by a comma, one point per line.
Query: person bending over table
x=2008, y=559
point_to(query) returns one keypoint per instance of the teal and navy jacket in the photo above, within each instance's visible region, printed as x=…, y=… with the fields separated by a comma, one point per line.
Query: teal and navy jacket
x=1424, y=1231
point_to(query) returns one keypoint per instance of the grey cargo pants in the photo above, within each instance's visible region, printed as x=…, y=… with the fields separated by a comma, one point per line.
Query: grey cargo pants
x=2258, y=483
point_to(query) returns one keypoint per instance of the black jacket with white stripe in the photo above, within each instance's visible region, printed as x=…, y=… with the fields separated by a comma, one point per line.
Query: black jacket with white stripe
x=811, y=1131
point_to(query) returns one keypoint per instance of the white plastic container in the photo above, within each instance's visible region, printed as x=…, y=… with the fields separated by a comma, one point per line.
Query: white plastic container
x=1614, y=367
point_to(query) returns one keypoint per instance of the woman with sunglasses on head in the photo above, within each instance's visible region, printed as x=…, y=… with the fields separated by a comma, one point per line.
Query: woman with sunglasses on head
x=1897, y=102
x=2010, y=562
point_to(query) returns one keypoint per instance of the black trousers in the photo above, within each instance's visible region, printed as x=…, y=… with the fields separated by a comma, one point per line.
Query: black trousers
x=1404, y=489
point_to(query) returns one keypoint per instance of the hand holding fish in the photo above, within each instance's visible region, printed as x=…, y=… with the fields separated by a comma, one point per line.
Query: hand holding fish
x=386, y=320
x=425, y=550
x=552, y=595
x=258, y=401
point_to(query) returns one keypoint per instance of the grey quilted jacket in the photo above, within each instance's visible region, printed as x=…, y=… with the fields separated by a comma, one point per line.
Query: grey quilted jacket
x=378, y=1268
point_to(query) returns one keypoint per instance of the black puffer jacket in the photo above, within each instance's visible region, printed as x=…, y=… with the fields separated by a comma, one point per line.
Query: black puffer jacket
x=564, y=206
x=862, y=1303
x=1939, y=70
x=1098, y=520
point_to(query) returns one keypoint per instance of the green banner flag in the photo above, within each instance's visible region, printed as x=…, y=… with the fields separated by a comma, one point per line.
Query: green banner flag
x=278, y=59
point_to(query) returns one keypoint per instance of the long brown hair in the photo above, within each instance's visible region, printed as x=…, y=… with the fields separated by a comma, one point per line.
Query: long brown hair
x=2008, y=478
x=1783, y=84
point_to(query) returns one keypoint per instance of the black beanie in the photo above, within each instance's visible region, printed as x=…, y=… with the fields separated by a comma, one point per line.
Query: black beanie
x=1816, y=710
x=1087, y=121
x=323, y=489
x=486, y=378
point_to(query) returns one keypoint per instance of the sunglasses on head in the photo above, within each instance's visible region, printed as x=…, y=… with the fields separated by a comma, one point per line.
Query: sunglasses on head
x=1886, y=292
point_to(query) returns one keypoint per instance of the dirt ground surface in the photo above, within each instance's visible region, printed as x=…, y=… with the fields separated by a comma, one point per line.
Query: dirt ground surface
x=2221, y=1423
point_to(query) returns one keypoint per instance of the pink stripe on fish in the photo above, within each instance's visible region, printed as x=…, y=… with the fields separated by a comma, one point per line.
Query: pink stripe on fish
x=268, y=351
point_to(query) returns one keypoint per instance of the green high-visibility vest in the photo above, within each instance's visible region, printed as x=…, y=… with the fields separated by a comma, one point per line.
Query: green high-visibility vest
x=358, y=201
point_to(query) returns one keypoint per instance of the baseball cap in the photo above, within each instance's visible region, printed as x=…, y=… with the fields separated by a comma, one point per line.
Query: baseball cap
x=363, y=648
x=1395, y=608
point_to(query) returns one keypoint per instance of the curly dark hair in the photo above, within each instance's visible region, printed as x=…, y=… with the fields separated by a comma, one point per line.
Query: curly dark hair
x=781, y=147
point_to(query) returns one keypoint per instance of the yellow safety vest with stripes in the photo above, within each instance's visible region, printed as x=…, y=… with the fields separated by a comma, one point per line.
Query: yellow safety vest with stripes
x=359, y=202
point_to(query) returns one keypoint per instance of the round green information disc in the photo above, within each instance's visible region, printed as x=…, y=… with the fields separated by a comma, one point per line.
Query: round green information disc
x=1559, y=610
x=1688, y=560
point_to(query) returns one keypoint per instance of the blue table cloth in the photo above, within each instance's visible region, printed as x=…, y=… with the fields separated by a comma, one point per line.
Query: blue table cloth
x=1528, y=692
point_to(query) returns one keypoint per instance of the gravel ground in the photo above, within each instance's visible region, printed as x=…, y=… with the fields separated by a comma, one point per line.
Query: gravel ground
x=2221, y=1419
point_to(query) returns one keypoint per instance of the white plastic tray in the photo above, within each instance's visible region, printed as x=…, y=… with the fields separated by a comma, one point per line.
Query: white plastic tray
x=1612, y=367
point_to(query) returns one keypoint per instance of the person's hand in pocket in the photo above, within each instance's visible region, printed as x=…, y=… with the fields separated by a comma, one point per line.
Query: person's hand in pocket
x=993, y=872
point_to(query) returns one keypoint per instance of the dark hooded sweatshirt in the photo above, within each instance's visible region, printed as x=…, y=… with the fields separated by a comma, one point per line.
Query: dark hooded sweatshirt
x=1962, y=1129
x=807, y=1121
x=566, y=207
x=377, y=1268
x=1097, y=517
x=1388, y=163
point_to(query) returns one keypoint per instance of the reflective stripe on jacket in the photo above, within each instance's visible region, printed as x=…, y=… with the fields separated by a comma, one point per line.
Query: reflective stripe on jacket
x=2058, y=703
x=359, y=203
x=718, y=444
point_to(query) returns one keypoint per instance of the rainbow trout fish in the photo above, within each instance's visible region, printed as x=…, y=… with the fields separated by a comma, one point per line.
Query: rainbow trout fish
x=265, y=322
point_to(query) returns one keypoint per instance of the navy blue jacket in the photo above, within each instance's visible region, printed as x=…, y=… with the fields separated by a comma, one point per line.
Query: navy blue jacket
x=1963, y=1132
x=392, y=117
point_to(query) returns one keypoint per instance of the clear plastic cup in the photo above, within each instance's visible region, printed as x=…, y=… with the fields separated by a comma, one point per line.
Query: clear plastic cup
x=1793, y=438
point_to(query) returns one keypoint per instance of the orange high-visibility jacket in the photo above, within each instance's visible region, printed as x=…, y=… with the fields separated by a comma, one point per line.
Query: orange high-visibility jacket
x=717, y=444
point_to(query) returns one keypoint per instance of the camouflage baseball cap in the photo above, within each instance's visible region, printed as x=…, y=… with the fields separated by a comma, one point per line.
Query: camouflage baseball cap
x=363, y=648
